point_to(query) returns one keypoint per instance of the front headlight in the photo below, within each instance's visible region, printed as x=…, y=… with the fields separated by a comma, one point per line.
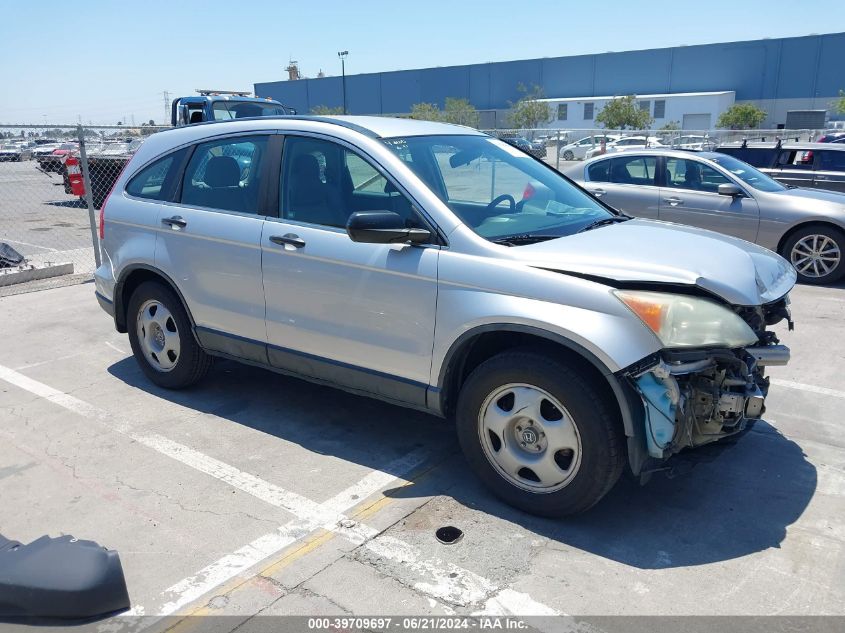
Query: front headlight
x=682, y=321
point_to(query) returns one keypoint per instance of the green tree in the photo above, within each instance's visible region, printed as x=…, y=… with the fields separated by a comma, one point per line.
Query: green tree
x=323, y=110
x=461, y=112
x=426, y=112
x=741, y=116
x=839, y=104
x=529, y=112
x=622, y=113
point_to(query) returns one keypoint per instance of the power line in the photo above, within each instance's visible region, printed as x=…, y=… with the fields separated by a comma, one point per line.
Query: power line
x=166, y=95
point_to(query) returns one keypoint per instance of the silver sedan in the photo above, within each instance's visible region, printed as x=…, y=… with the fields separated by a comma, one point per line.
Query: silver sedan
x=718, y=192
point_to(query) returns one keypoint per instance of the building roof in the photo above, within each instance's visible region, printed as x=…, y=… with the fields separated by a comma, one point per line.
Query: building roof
x=651, y=96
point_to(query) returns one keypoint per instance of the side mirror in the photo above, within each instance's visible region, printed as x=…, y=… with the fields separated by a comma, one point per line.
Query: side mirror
x=383, y=227
x=730, y=189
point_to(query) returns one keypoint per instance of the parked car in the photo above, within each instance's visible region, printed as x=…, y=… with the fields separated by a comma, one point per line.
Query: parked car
x=14, y=152
x=816, y=165
x=525, y=145
x=624, y=144
x=716, y=191
x=689, y=141
x=831, y=137
x=578, y=149
x=410, y=261
x=55, y=160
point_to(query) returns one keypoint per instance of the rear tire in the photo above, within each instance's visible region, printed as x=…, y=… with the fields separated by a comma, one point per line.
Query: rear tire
x=817, y=253
x=540, y=435
x=568, y=155
x=161, y=337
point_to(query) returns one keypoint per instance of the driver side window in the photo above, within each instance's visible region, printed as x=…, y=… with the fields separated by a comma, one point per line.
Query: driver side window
x=479, y=181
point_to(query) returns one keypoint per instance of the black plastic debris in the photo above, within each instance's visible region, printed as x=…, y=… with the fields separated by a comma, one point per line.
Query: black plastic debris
x=448, y=534
x=60, y=578
x=9, y=257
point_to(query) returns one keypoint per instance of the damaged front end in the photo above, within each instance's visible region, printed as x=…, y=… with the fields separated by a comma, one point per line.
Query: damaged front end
x=696, y=396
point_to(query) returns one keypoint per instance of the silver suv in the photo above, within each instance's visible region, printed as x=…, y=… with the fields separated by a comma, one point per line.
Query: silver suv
x=442, y=269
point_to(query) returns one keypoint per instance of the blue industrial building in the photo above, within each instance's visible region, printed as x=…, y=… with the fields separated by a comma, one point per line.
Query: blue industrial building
x=777, y=74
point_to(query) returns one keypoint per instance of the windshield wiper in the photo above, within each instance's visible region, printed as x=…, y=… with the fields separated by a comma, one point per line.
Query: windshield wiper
x=525, y=238
x=605, y=221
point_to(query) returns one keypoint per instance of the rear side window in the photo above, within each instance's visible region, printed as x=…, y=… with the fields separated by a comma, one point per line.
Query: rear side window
x=635, y=170
x=600, y=171
x=754, y=156
x=152, y=182
x=225, y=174
x=832, y=161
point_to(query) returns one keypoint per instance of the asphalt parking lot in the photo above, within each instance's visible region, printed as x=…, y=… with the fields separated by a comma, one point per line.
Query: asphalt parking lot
x=41, y=221
x=256, y=493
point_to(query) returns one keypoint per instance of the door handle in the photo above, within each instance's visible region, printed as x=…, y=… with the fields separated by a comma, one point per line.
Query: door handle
x=598, y=193
x=175, y=223
x=288, y=239
x=674, y=201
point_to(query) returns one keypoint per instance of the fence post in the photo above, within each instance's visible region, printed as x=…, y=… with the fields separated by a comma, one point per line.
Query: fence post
x=557, y=151
x=89, y=200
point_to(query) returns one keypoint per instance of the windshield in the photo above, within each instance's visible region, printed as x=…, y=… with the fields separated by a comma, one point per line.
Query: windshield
x=748, y=174
x=496, y=189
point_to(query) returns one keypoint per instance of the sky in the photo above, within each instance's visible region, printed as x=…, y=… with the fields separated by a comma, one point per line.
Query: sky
x=102, y=62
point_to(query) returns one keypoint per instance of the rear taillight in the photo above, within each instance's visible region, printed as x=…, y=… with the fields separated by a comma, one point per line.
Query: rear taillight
x=103, y=221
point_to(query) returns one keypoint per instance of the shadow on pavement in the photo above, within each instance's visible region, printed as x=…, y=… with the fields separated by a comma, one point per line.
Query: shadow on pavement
x=739, y=502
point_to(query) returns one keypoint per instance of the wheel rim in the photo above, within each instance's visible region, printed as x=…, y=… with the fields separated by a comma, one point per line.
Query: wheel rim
x=530, y=438
x=158, y=336
x=568, y=155
x=815, y=255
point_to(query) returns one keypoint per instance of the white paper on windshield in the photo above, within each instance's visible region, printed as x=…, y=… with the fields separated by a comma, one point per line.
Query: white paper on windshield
x=510, y=149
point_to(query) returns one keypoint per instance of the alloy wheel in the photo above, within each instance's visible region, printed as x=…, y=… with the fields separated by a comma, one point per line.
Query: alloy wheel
x=815, y=255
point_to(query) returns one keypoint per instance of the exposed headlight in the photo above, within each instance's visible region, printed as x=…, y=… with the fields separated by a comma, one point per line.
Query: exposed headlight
x=682, y=321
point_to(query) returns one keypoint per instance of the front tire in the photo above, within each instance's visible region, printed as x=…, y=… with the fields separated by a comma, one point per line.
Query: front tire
x=539, y=434
x=568, y=155
x=817, y=253
x=161, y=338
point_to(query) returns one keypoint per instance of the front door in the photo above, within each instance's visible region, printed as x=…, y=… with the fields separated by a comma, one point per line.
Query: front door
x=209, y=243
x=357, y=315
x=690, y=196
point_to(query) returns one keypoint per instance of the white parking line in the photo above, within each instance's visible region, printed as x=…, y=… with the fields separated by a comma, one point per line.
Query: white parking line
x=437, y=578
x=824, y=391
x=46, y=248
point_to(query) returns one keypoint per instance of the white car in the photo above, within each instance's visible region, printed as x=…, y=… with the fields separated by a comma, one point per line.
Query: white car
x=579, y=149
x=690, y=141
x=625, y=143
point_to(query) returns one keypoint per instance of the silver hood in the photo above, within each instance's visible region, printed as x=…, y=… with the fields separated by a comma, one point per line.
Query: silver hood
x=739, y=272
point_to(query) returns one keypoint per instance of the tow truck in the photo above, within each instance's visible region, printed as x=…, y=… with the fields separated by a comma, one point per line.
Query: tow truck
x=106, y=162
x=223, y=105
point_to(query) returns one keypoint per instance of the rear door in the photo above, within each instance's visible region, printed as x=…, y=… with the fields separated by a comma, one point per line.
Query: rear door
x=627, y=182
x=690, y=196
x=830, y=170
x=210, y=242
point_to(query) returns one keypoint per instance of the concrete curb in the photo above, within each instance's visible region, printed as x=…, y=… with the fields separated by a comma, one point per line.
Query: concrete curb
x=10, y=276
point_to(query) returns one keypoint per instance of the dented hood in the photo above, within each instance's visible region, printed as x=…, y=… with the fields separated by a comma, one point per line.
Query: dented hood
x=654, y=252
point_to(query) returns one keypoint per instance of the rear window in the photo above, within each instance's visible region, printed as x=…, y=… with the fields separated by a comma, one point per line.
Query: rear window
x=153, y=181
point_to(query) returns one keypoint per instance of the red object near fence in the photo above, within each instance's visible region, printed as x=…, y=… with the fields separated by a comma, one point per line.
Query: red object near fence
x=74, y=176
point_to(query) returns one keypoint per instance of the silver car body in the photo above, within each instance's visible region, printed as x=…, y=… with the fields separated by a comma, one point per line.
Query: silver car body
x=389, y=319
x=765, y=218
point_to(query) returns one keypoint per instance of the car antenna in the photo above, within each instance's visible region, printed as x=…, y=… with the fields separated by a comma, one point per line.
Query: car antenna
x=779, y=143
x=744, y=142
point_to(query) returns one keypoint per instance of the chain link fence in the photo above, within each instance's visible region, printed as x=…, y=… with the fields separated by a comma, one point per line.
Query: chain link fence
x=53, y=180
x=558, y=147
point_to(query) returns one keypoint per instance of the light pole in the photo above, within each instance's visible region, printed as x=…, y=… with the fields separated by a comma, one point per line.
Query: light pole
x=342, y=55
